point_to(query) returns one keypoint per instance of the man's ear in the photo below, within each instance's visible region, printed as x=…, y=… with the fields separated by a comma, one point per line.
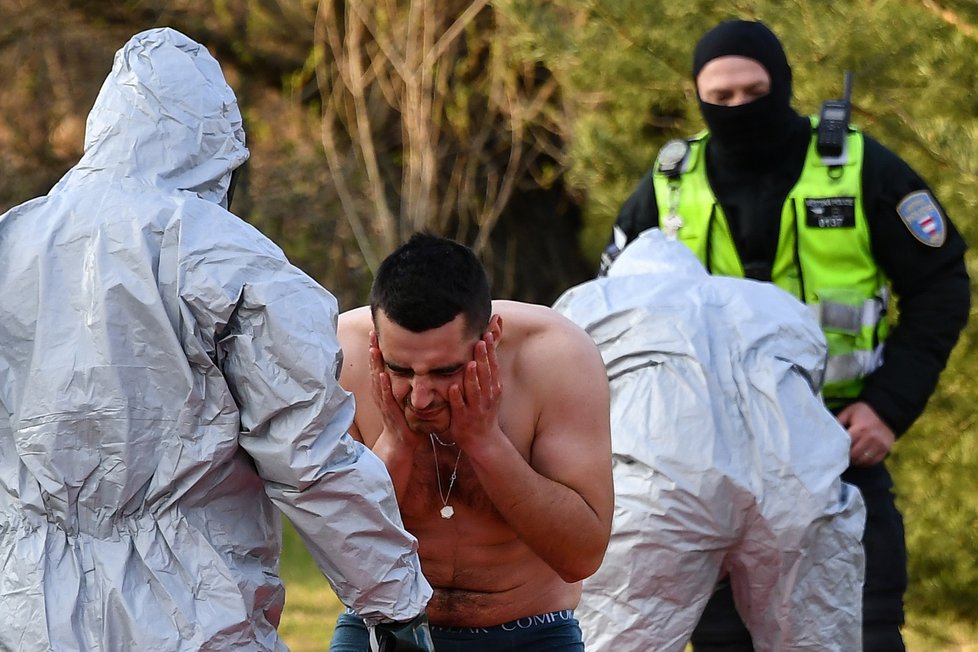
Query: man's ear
x=495, y=328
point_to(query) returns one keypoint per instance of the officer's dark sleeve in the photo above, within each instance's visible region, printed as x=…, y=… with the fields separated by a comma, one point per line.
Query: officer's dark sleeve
x=638, y=213
x=930, y=285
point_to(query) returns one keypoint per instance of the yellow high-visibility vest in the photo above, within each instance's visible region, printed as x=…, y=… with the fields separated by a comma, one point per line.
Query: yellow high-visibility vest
x=823, y=254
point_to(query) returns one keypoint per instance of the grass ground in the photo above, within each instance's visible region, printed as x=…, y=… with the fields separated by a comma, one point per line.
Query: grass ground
x=311, y=606
x=311, y=609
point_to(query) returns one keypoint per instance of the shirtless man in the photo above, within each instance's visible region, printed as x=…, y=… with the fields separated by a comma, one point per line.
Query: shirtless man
x=498, y=443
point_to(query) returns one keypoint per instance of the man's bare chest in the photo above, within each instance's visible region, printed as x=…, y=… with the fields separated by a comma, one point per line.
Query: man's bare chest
x=443, y=476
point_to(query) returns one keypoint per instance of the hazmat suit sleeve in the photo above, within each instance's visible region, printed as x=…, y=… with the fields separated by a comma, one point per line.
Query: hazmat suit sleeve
x=274, y=340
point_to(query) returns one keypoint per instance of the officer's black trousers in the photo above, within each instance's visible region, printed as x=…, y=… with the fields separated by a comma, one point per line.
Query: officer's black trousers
x=721, y=630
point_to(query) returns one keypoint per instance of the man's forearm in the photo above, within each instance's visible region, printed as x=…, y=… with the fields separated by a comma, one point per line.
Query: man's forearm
x=554, y=520
x=399, y=460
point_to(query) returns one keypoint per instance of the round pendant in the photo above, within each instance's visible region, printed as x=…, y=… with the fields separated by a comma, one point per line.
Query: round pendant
x=447, y=511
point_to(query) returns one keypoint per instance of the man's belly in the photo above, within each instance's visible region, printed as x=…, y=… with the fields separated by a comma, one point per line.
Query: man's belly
x=483, y=575
x=451, y=607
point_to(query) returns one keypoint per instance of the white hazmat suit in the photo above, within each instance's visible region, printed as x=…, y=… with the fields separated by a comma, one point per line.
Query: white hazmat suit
x=725, y=461
x=167, y=380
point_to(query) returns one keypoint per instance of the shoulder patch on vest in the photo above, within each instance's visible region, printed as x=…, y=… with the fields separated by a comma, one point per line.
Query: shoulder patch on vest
x=830, y=212
x=923, y=217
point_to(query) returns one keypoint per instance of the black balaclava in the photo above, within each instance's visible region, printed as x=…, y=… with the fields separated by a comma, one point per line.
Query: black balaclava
x=754, y=132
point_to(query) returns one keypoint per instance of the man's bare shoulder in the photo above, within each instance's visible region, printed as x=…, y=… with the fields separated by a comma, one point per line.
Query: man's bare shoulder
x=356, y=320
x=545, y=346
x=540, y=327
x=353, y=331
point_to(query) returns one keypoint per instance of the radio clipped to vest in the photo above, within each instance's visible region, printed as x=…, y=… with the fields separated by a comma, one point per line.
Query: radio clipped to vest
x=833, y=126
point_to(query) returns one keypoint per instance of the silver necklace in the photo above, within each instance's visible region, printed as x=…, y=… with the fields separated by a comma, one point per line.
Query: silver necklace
x=442, y=443
x=447, y=511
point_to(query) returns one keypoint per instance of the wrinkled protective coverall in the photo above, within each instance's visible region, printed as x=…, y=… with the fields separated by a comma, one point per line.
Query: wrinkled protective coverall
x=725, y=460
x=167, y=380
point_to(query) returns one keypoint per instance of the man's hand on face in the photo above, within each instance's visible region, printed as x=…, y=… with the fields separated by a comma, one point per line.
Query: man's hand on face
x=475, y=403
x=392, y=412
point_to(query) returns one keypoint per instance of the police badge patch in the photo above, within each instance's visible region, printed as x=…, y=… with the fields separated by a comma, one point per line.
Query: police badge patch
x=923, y=217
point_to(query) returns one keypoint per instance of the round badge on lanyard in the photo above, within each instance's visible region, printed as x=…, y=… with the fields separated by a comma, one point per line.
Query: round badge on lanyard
x=670, y=162
x=671, y=157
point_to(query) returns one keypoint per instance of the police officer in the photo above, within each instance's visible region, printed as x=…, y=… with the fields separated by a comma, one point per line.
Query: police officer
x=754, y=196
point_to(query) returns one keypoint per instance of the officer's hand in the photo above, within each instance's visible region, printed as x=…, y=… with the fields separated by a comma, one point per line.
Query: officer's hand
x=412, y=636
x=871, y=438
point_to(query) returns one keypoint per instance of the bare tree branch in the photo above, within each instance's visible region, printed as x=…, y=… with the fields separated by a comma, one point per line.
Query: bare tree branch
x=951, y=18
x=460, y=125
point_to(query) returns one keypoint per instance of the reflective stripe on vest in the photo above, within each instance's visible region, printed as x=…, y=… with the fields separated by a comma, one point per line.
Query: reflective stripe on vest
x=826, y=263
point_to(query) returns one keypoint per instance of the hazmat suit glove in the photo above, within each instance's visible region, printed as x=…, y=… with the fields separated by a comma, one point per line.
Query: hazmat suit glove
x=410, y=636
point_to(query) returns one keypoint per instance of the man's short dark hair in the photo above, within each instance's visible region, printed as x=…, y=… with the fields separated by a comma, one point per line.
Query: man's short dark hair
x=428, y=281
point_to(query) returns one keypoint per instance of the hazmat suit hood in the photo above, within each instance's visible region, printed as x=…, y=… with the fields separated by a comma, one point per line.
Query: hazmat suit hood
x=166, y=117
x=169, y=388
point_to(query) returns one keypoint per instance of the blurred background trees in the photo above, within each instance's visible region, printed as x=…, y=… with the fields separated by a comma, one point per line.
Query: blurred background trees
x=519, y=127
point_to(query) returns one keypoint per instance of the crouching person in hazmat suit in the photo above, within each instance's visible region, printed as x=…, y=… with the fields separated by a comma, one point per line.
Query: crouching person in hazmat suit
x=725, y=460
x=167, y=380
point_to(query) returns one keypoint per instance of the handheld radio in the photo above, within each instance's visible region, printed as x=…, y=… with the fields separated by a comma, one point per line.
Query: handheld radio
x=833, y=124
